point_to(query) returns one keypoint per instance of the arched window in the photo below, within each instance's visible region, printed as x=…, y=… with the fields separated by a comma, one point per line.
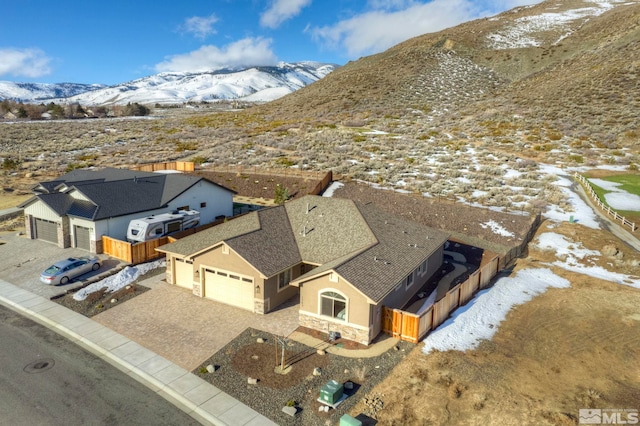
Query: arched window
x=333, y=305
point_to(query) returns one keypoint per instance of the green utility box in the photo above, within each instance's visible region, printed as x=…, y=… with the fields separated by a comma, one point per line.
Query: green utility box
x=348, y=420
x=331, y=392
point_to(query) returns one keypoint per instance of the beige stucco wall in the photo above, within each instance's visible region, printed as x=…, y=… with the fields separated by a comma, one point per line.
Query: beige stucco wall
x=357, y=304
x=274, y=297
x=266, y=298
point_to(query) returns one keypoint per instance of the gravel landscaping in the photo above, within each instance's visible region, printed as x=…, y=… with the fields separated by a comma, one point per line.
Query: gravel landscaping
x=100, y=301
x=245, y=358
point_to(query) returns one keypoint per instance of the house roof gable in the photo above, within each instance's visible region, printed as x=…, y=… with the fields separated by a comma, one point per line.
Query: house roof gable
x=372, y=250
x=116, y=192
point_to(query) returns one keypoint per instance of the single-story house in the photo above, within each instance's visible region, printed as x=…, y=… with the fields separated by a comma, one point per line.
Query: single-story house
x=78, y=208
x=346, y=260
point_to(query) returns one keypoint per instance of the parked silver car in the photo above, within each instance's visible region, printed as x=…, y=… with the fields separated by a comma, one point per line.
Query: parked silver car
x=65, y=270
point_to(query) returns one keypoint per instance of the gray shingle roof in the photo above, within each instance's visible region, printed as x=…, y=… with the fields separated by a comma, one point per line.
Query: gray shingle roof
x=203, y=240
x=115, y=192
x=272, y=248
x=371, y=249
x=327, y=228
x=403, y=246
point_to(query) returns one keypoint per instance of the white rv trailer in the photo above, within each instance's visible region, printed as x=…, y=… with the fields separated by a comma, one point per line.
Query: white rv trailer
x=156, y=226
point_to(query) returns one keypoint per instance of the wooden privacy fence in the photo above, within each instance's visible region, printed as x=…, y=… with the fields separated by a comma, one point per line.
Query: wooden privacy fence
x=414, y=327
x=133, y=253
x=182, y=166
x=606, y=209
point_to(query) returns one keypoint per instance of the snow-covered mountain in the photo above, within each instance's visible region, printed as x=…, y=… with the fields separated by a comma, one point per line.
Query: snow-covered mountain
x=39, y=92
x=255, y=84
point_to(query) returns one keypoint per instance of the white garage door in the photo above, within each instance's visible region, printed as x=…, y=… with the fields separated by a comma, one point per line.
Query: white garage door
x=229, y=288
x=47, y=230
x=184, y=274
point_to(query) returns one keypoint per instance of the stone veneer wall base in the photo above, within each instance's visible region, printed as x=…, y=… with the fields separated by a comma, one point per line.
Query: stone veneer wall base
x=346, y=331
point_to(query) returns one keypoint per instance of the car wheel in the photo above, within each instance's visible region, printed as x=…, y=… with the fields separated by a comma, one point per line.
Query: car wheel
x=64, y=280
x=96, y=266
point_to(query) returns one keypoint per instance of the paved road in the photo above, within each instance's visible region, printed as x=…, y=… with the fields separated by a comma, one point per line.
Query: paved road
x=47, y=380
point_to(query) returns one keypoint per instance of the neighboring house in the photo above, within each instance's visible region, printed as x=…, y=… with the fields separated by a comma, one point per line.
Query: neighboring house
x=78, y=208
x=345, y=260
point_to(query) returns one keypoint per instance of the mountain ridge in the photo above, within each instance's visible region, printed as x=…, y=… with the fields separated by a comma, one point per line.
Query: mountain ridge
x=254, y=83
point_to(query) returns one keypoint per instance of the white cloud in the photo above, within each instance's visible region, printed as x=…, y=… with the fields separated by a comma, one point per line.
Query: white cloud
x=200, y=26
x=389, y=22
x=29, y=63
x=245, y=52
x=280, y=11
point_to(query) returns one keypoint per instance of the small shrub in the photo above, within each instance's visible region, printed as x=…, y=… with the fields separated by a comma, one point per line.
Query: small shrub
x=284, y=161
x=199, y=159
x=186, y=146
x=360, y=373
x=10, y=163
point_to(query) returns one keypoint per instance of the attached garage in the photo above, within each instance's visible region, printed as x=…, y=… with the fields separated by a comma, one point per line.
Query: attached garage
x=82, y=237
x=184, y=273
x=230, y=288
x=47, y=230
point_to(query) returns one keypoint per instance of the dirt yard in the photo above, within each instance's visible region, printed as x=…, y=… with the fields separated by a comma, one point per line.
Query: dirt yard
x=566, y=349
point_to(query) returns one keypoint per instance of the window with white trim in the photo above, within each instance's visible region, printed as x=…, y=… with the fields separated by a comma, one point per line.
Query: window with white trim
x=284, y=278
x=422, y=269
x=333, y=305
x=409, y=280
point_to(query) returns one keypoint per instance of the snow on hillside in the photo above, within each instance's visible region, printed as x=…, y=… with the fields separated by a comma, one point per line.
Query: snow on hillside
x=522, y=33
x=256, y=84
x=29, y=92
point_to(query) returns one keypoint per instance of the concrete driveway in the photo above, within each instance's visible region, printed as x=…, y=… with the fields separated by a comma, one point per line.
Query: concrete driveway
x=22, y=260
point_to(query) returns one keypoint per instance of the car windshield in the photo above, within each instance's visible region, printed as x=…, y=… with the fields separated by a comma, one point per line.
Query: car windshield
x=53, y=269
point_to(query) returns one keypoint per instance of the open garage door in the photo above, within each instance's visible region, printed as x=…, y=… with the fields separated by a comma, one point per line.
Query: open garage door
x=47, y=230
x=83, y=237
x=229, y=288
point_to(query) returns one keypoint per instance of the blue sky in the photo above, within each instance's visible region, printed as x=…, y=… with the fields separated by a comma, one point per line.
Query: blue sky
x=112, y=42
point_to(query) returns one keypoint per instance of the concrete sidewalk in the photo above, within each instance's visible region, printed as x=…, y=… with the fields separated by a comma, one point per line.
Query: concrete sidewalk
x=201, y=400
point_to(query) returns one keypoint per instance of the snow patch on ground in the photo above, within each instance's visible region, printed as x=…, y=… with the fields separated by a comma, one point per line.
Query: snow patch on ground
x=569, y=253
x=582, y=213
x=563, y=247
x=496, y=228
x=120, y=280
x=618, y=198
x=522, y=33
x=479, y=319
x=332, y=188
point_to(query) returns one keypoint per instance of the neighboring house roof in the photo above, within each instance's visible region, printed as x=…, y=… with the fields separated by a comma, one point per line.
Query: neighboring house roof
x=113, y=192
x=87, y=176
x=371, y=249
